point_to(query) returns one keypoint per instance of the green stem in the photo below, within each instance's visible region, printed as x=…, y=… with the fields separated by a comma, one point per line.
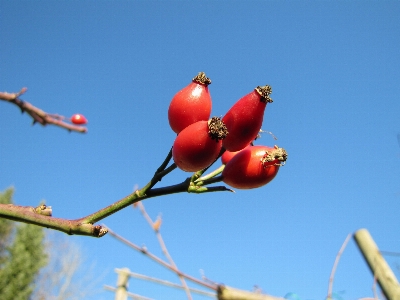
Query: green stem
x=210, y=181
x=160, y=172
x=145, y=193
x=84, y=226
x=42, y=215
x=212, y=174
x=165, y=162
x=157, y=177
x=137, y=195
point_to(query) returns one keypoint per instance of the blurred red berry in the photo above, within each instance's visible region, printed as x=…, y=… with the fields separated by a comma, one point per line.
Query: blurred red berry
x=78, y=119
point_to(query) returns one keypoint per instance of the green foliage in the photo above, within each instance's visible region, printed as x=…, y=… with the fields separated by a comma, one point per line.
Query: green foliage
x=22, y=255
x=5, y=227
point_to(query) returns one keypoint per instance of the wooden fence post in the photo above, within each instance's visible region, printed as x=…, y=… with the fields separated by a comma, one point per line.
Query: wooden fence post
x=229, y=293
x=379, y=267
x=121, y=292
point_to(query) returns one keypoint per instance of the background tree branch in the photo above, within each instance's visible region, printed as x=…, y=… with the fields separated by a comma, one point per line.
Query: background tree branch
x=38, y=115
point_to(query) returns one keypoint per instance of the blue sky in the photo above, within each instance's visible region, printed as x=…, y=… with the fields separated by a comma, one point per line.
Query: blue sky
x=334, y=69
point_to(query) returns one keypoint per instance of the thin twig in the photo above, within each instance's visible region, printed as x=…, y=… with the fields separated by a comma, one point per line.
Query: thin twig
x=165, y=162
x=163, y=246
x=29, y=214
x=210, y=179
x=38, y=115
x=145, y=214
x=130, y=295
x=166, y=283
x=159, y=175
x=205, y=279
x=158, y=260
x=211, y=175
x=336, y=264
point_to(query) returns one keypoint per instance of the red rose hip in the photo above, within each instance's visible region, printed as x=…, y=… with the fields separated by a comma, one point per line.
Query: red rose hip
x=191, y=104
x=198, y=145
x=78, y=119
x=254, y=167
x=245, y=117
x=228, y=155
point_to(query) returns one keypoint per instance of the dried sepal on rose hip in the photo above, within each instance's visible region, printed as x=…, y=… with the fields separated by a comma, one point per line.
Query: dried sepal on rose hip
x=277, y=155
x=199, y=144
x=254, y=167
x=190, y=104
x=244, y=119
x=78, y=119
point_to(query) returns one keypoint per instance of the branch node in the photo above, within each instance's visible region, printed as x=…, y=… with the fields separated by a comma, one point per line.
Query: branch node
x=43, y=209
x=99, y=231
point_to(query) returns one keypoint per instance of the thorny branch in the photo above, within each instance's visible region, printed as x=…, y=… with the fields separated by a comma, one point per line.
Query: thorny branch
x=38, y=115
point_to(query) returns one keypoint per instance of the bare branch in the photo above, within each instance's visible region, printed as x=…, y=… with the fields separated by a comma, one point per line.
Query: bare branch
x=336, y=264
x=158, y=260
x=12, y=96
x=84, y=226
x=205, y=279
x=165, y=282
x=156, y=228
x=38, y=115
x=32, y=215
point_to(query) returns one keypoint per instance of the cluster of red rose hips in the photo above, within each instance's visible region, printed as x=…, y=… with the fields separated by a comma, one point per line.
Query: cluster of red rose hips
x=202, y=140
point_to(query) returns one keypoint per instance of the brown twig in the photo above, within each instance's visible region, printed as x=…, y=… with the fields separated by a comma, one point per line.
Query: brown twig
x=38, y=115
x=156, y=228
x=205, y=279
x=158, y=260
x=336, y=264
x=42, y=216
